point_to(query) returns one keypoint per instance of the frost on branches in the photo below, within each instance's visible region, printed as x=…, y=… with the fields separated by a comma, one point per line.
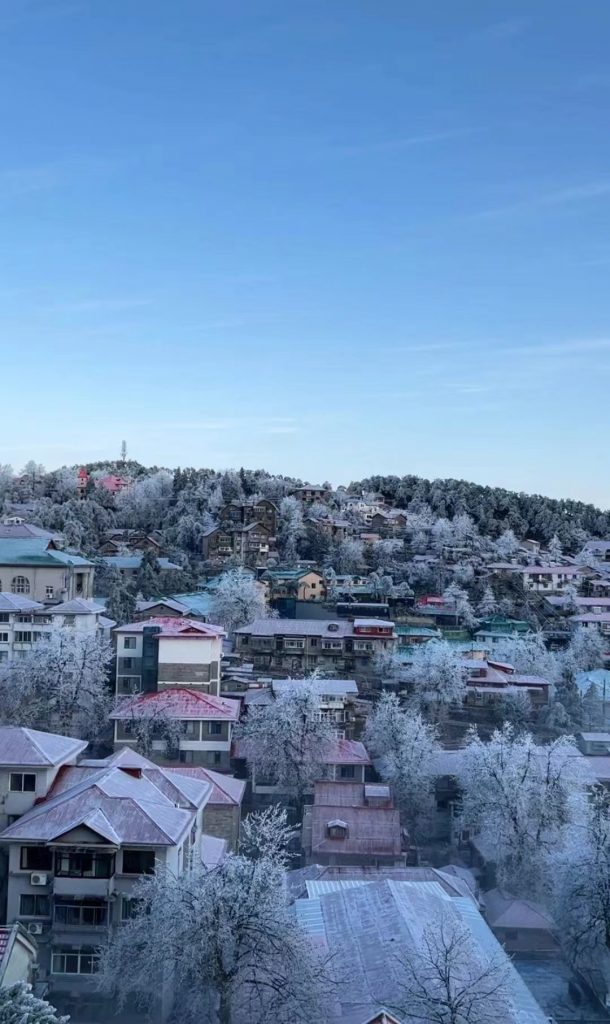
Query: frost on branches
x=521, y=799
x=437, y=676
x=238, y=600
x=406, y=747
x=448, y=979
x=286, y=742
x=266, y=834
x=222, y=944
x=19, y=1005
x=60, y=685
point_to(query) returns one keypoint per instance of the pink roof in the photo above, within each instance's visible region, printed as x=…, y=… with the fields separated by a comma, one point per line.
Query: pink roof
x=178, y=702
x=347, y=752
x=112, y=483
x=175, y=627
x=226, y=789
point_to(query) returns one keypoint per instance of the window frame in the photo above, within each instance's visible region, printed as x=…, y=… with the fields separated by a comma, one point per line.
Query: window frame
x=22, y=788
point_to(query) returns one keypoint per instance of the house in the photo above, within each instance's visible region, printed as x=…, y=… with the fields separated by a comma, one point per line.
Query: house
x=76, y=855
x=222, y=813
x=593, y=620
x=112, y=483
x=162, y=652
x=18, y=954
x=550, y=578
x=341, y=761
x=34, y=567
x=389, y=523
x=24, y=622
x=302, y=645
x=82, y=483
x=594, y=744
x=353, y=823
x=243, y=513
x=599, y=550
x=497, y=628
x=128, y=566
x=331, y=526
x=310, y=494
x=522, y=926
x=297, y=584
x=250, y=545
x=29, y=763
x=336, y=697
x=373, y=925
x=117, y=542
x=204, y=725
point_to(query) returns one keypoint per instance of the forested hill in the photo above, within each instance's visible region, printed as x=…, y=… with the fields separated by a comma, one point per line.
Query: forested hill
x=494, y=509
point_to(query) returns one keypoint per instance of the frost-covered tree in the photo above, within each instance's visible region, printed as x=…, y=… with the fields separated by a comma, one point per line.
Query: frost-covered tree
x=442, y=535
x=266, y=834
x=148, y=578
x=488, y=605
x=585, y=651
x=348, y=556
x=238, y=600
x=507, y=544
x=456, y=598
x=120, y=603
x=528, y=655
x=149, y=723
x=231, y=950
x=287, y=741
x=60, y=685
x=290, y=530
x=449, y=979
x=19, y=1005
x=332, y=589
x=406, y=746
x=521, y=799
x=389, y=666
x=437, y=676
x=143, y=505
x=555, y=548
x=515, y=707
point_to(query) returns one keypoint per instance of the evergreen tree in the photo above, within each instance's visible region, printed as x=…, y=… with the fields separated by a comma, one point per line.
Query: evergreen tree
x=19, y=1005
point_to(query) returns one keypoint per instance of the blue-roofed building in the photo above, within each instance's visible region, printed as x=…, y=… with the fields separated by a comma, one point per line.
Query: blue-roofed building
x=34, y=567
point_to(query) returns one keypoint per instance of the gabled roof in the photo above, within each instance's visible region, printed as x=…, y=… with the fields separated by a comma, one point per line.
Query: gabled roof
x=134, y=562
x=346, y=752
x=17, y=603
x=116, y=804
x=24, y=530
x=172, y=626
x=79, y=606
x=178, y=702
x=36, y=552
x=29, y=748
x=226, y=789
x=505, y=911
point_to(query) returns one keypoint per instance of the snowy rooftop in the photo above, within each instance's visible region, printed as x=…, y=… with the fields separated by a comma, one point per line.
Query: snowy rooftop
x=79, y=606
x=178, y=702
x=20, y=747
x=171, y=626
x=17, y=603
x=226, y=789
x=329, y=687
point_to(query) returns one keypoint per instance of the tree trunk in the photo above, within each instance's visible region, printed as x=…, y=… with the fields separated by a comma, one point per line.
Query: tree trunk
x=224, y=1008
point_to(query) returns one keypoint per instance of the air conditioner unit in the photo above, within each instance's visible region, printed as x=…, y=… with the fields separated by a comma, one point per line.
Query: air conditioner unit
x=35, y=928
x=39, y=878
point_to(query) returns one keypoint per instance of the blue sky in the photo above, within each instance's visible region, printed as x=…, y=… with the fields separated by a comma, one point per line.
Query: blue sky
x=325, y=237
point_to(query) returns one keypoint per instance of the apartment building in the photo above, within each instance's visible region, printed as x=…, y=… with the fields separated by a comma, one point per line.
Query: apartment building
x=243, y=513
x=168, y=651
x=24, y=622
x=34, y=567
x=250, y=544
x=29, y=763
x=303, y=645
x=75, y=856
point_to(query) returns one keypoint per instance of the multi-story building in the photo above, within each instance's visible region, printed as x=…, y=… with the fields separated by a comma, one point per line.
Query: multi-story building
x=24, y=622
x=310, y=494
x=222, y=813
x=337, y=698
x=296, y=584
x=163, y=652
x=34, y=567
x=250, y=545
x=243, y=513
x=203, y=725
x=29, y=763
x=76, y=855
x=302, y=645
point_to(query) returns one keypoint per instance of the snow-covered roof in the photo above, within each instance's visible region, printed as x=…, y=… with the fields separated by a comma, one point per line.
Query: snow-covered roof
x=29, y=748
x=172, y=626
x=17, y=603
x=78, y=606
x=226, y=789
x=178, y=702
x=505, y=911
x=330, y=687
x=213, y=851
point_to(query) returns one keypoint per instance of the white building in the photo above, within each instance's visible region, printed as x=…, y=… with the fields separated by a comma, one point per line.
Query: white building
x=163, y=652
x=29, y=763
x=24, y=622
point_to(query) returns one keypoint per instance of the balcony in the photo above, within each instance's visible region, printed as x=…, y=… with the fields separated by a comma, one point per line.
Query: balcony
x=101, y=888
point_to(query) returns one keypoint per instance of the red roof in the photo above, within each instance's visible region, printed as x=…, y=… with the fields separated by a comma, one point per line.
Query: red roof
x=112, y=483
x=226, y=789
x=347, y=752
x=5, y=934
x=179, y=703
x=172, y=626
x=83, y=474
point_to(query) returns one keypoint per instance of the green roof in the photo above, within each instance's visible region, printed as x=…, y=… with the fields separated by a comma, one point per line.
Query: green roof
x=33, y=551
x=416, y=631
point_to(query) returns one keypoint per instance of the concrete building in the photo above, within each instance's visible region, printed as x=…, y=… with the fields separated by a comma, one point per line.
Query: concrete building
x=29, y=763
x=222, y=814
x=36, y=568
x=168, y=651
x=24, y=622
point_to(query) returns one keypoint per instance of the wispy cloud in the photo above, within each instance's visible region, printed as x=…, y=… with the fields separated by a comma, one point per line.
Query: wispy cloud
x=572, y=194
x=401, y=142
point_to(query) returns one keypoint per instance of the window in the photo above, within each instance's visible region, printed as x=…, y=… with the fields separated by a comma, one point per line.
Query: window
x=34, y=905
x=347, y=771
x=3, y=638
x=217, y=757
x=36, y=858
x=191, y=730
x=70, y=864
x=129, y=643
x=49, y=592
x=4, y=616
x=23, y=636
x=215, y=728
x=21, y=782
x=129, y=907
x=127, y=663
x=80, y=915
x=73, y=960
x=337, y=831
x=129, y=684
x=20, y=585
x=138, y=862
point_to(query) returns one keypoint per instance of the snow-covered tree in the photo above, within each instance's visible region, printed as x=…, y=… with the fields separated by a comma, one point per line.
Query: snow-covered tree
x=585, y=652
x=60, y=685
x=19, y=1005
x=286, y=742
x=121, y=603
x=290, y=530
x=144, y=503
x=456, y=598
x=388, y=665
x=488, y=605
x=521, y=799
x=555, y=549
x=515, y=707
x=406, y=746
x=528, y=655
x=348, y=556
x=150, y=722
x=266, y=834
x=231, y=950
x=238, y=600
x=332, y=590
x=449, y=979
x=442, y=535
x=507, y=545
x=437, y=676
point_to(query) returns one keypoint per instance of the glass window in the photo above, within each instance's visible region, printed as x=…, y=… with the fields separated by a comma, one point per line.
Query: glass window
x=347, y=771
x=67, y=960
x=36, y=858
x=21, y=782
x=32, y=905
x=129, y=643
x=3, y=638
x=49, y=591
x=138, y=862
x=20, y=585
x=80, y=915
x=70, y=864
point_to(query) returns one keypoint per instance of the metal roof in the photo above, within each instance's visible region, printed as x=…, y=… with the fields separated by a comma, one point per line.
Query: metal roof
x=173, y=626
x=178, y=702
x=17, y=603
x=29, y=748
x=35, y=551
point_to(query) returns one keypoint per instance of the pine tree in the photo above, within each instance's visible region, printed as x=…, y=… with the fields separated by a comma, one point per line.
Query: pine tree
x=19, y=1005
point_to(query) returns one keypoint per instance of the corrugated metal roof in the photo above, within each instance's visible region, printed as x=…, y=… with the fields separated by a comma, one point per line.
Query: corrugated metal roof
x=178, y=702
x=21, y=747
x=17, y=603
x=171, y=626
